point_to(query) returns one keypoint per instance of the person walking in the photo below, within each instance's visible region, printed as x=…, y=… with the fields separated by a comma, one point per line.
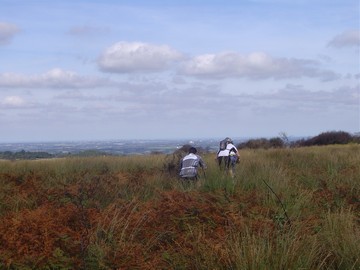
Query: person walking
x=233, y=157
x=189, y=165
x=222, y=156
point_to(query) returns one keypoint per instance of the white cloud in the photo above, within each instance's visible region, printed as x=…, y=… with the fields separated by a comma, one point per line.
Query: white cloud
x=294, y=94
x=257, y=65
x=13, y=101
x=129, y=57
x=55, y=78
x=7, y=32
x=349, y=38
x=77, y=95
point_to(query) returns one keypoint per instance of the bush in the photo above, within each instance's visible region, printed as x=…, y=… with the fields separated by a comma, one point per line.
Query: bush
x=262, y=143
x=172, y=161
x=24, y=155
x=276, y=142
x=326, y=138
x=356, y=138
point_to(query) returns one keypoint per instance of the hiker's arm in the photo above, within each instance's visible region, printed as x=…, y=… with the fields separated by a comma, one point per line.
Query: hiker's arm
x=233, y=149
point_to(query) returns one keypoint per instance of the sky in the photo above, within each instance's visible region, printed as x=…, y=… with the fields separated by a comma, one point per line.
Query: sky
x=105, y=69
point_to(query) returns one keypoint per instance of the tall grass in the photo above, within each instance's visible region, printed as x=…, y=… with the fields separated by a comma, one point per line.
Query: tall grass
x=285, y=209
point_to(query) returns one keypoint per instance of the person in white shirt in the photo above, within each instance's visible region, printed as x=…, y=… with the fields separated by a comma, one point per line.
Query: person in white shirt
x=222, y=156
x=233, y=157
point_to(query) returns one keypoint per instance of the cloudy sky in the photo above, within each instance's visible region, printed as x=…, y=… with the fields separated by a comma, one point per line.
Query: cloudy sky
x=143, y=69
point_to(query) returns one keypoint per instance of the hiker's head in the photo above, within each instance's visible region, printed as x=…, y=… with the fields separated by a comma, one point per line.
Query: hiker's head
x=228, y=140
x=192, y=150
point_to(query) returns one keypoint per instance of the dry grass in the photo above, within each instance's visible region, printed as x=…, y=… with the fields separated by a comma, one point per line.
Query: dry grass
x=133, y=213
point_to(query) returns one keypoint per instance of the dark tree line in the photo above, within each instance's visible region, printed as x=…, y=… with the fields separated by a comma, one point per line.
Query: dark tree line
x=325, y=138
x=24, y=155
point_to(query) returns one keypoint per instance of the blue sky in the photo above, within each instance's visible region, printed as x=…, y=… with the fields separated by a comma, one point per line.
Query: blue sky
x=98, y=70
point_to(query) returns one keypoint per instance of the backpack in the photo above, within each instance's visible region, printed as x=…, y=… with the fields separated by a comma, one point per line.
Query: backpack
x=189, y=166
x=223, y=144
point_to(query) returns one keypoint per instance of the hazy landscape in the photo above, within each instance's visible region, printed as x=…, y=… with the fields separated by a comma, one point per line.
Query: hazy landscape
x=117, y=147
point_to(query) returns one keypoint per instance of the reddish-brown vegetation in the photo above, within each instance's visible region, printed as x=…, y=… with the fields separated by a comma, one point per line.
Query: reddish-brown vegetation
x=132, y=219
x=59, y=220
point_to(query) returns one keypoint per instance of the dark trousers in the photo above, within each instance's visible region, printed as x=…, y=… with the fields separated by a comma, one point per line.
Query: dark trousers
x=195, y=178
x=225, y=160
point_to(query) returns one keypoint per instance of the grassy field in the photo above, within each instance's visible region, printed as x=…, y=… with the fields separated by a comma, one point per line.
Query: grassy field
x=285, y=209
